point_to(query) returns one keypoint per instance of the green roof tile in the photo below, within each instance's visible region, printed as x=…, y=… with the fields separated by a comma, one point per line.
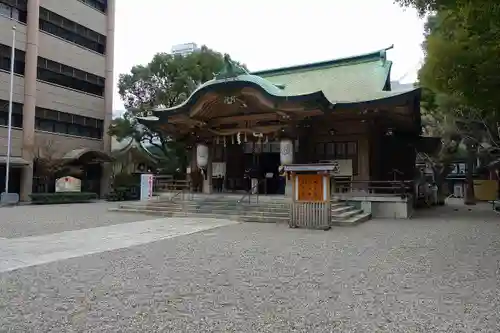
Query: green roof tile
x=352, y=79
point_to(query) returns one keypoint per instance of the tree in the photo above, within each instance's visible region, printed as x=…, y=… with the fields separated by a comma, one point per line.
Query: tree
x=429, y=6
x=436, y=124
x=48, y=165
x=461, y=49
x=46, y=158
x=167, y=80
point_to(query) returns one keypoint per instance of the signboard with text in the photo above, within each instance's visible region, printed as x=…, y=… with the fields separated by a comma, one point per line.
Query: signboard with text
x=68, y=184
x=147, y=181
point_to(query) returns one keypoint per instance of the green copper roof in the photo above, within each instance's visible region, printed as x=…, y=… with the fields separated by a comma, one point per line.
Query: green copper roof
x=357, y=78
x=120, y=147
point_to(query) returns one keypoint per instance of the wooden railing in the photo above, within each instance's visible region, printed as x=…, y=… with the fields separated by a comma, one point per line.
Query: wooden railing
x=401, y=188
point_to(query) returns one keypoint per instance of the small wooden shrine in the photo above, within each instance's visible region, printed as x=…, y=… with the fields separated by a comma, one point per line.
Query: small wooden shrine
x=311, y=194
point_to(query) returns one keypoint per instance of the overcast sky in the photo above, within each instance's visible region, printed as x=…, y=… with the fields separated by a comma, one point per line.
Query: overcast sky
x=269, y=33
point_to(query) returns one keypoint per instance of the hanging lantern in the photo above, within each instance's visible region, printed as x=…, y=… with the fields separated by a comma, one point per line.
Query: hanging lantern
x=286, y=151
x=225, y=143
x=201, y=155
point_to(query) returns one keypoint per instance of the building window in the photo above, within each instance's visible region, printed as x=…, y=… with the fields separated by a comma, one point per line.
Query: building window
x=100, y=5
x=5, y=53
x=66, y=76
x=71, y=31
x=17, y=114
x=338, y=151
x=66, y=123
x=14, y=9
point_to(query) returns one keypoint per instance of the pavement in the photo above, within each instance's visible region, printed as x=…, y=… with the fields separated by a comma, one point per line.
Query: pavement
x=438, y=272
x=36, y=250
x=35, y=220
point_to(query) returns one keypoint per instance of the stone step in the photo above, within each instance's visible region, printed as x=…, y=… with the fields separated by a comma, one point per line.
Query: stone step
x=203, y=206
x=238, y=212
x=207, y=206
x=352, y=221
x=141, y=211
x=211, y=202
x=256, y=207
x=208, y=210
x=347, y=214
x=341, y=209
x=241, y=218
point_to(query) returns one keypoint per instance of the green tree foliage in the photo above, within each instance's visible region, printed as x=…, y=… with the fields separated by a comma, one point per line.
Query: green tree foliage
x=461, y=71
x=167, y=80
x=461, y=53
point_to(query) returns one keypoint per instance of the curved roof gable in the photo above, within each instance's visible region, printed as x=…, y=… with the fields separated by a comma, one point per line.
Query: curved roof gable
x=236, y=76
x=120, y=147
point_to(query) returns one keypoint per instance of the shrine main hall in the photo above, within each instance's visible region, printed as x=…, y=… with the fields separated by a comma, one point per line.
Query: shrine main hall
x=242, y=125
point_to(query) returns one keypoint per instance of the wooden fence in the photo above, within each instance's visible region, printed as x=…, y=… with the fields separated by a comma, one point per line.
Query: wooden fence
x=312, y=215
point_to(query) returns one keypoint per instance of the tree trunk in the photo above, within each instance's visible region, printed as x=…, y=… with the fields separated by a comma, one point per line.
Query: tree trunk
x=470, y=196
x=440, y=182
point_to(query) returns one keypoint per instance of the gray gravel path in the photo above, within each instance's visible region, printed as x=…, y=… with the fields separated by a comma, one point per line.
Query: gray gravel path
x=422, y=275
x=34, y=220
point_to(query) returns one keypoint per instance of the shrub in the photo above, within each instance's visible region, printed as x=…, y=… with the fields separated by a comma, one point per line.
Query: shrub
x=126, y=180
x=125, y=187
x=62, y=197
x=124, y=193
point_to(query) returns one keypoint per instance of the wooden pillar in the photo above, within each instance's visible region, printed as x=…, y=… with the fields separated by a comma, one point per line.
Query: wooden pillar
x=287, y=149
x=207, y=179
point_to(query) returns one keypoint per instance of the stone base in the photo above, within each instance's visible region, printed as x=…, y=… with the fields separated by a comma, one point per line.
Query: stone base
x=380, y=206
x=26, y=183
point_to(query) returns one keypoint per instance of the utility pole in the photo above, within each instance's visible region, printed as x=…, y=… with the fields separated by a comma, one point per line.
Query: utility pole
x=9, y=128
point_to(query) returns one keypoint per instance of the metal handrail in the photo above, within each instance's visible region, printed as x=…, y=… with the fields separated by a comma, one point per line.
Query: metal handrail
x=175, y=185
x=249, y=193
x=176, y=194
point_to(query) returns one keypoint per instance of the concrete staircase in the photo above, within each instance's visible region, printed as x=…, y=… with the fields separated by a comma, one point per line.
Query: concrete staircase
x=276, y=210
x=268, y=209
x=345, y=215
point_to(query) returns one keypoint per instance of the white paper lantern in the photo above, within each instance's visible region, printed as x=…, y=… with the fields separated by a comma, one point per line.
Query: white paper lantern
x=286, y=151
x=202, y=155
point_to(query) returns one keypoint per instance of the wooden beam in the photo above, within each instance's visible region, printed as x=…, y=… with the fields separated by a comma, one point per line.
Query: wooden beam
x=248, y=117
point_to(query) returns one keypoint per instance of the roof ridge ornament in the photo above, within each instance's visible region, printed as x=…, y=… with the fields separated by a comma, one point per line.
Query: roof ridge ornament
x=230, y=69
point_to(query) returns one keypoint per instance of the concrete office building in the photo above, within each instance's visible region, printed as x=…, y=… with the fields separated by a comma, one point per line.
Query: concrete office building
x=63, y=87
x=184, y=49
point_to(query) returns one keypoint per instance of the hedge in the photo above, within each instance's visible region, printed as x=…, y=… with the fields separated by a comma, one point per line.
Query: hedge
x=62, y=197
x=124, y=193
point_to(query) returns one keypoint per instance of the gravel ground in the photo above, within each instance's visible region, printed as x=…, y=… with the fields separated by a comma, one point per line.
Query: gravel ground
x=422, y=275
x=31, y=220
